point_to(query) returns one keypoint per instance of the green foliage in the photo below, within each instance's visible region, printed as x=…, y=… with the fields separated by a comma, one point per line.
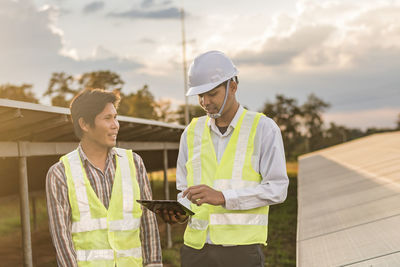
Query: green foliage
x=337, y=134
x=171, y=256
x=103, y=79
x=287, y=114
x=194, y=111
x=282, y=228
x=9, y=224
x=140, y=104
x=312, y=115
x=63, y=87
x=164, y=111
x=302, y=126
x=281, y=249
x=20, y=93
x=10, y=220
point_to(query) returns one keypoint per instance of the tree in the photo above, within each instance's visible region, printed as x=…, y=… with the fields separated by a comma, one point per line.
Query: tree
x=286, y=113
x=194, y=111
x=163, y=111
x=63, y=87
x=312, y=115
x=335, y=134
x=140, y=104
x=20, y=93
x=103, y=79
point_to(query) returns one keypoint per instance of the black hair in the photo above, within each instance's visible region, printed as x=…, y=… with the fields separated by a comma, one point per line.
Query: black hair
x=88, y=103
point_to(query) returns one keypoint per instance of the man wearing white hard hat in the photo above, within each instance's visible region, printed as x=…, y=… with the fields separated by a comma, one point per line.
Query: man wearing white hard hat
x=231, y=166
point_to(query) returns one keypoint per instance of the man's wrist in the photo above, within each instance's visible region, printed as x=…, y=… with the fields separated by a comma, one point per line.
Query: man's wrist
x=223, y=199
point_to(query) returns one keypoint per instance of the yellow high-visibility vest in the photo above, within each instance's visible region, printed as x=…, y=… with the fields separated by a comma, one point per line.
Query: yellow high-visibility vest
x=102, y=237
x=226, y=227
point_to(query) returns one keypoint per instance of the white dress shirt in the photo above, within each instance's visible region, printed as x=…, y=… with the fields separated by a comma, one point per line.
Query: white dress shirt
x=268, y=159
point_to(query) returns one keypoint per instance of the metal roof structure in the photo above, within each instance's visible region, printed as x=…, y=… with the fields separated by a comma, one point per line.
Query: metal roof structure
x=349, y=204
x=22, y=121
x=33, y=130
x=33, y=136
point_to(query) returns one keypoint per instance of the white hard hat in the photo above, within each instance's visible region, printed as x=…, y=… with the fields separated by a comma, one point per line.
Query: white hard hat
x=209, y=70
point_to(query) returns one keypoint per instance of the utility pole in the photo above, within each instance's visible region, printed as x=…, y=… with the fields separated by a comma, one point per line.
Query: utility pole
x=184, y=66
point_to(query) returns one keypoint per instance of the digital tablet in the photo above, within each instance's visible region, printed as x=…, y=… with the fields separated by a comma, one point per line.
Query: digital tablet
x=173, y=205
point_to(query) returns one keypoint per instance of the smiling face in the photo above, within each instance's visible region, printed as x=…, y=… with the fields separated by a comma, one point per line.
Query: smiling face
x=104, y=132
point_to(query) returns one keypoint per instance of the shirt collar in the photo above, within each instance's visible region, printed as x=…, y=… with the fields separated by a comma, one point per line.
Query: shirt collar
x=111, y=153
x=211, y=121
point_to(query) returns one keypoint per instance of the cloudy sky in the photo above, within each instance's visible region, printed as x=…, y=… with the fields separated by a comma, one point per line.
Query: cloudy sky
x=345, y=52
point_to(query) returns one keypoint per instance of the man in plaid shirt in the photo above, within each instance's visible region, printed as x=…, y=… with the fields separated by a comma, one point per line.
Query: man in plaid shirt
x=94, y=117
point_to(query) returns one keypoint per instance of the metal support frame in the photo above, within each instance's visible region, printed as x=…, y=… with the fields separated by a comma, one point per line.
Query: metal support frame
x=11, y=149
x=166, y=193
x=24, y=206
x=23, y=149
x=18, y=118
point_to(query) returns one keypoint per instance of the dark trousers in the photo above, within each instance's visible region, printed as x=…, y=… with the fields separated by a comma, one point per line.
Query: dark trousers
x=220, y=256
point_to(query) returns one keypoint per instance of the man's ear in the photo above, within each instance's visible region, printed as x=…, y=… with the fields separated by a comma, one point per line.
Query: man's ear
x=233, y=86
x=84, y=126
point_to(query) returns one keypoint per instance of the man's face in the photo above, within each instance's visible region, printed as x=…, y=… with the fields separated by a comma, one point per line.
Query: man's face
x=106, y=126
x=212, y=100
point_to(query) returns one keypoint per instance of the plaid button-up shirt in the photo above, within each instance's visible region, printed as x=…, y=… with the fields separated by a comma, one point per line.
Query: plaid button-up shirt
x=59, y=209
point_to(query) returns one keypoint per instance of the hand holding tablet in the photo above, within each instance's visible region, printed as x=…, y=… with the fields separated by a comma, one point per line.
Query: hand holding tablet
x=171, y=211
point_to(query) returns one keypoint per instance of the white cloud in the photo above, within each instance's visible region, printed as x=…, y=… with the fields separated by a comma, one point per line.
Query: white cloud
x=327, y=36
x=33, y=47
x=93, y=7
x=100, y=52
x=345, y=52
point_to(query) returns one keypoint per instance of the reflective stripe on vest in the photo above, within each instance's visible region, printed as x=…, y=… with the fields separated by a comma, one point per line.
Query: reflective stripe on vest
x=225, y=184
x=198, y=224
x=127, y=188
x=106, y=254
x=95, y=254
x=92, y=224
x=86, y=223
x=234, y=171
x=202, y=121
x=238, y=219
x=241, y=147
x=89, y=225
x=96, y=224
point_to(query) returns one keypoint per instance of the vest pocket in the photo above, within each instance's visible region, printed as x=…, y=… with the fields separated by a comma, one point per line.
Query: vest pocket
x=238, y=234
x=194, y=238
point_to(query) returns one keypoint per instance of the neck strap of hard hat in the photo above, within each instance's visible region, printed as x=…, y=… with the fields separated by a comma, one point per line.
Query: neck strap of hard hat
x=217, y=115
